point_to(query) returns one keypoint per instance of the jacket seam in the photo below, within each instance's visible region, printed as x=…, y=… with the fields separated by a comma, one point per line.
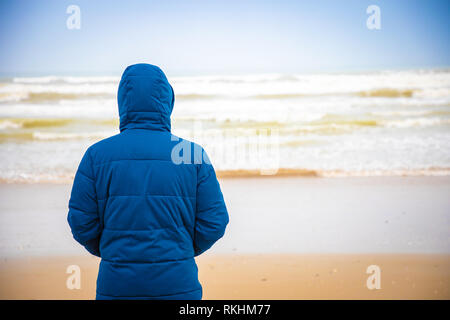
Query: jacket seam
x=147, y=230
x=147, y=262
x=163, y=295
x=85, y=175
x=72, y=207
x=103, y=163
x=146, y=195
x=143, y=111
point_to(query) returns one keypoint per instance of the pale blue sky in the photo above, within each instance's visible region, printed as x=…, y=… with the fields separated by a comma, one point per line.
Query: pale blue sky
x=192, y=37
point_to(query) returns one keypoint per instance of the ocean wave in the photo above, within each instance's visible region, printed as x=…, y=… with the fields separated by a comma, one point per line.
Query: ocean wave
x=195, y=96
x=64, y=79
x=35, y=97
x=235, y=79
x=375, y=93
x=54, y=96
x=52, y=136
x=71, y=135
x=302, y=172
x=68, y=176
x=11, y=96
x=26, y=178
x=32, y=91
x=410, y=113
x=340, y=120
x=33, y=123
x=49, y=96
x=416, y=122
x=252, y=124
x=280, y=96
x=388, y=93
x=327, y=124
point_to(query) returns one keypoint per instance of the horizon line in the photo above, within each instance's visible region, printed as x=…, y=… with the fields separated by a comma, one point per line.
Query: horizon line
x=38, y=74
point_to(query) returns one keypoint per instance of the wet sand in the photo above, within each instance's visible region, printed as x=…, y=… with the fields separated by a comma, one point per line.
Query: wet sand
x=268, y=276
x=288, y=238
x=267, y=215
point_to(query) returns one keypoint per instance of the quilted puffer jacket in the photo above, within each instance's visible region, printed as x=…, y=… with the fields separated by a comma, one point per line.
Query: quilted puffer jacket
x=145, y=201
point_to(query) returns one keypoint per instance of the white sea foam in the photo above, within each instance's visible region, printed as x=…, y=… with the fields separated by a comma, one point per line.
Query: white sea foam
x=336, y=124
x=61, y=79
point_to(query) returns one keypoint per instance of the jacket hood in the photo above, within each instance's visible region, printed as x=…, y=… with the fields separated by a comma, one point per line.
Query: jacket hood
x=145, y=98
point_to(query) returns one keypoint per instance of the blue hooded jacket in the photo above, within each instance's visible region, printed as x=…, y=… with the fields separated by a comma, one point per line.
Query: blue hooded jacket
x=145, y=201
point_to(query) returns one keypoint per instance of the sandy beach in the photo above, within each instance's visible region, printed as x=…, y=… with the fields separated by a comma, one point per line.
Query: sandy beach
x=315, y=239
x=268, y=215
x=253, y=277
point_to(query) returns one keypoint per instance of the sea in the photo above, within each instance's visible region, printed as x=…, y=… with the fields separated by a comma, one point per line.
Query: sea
x=378, y=123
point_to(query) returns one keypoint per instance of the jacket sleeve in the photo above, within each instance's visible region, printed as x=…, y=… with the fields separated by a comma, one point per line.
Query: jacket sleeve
x=211, y=216
x=83, y=215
